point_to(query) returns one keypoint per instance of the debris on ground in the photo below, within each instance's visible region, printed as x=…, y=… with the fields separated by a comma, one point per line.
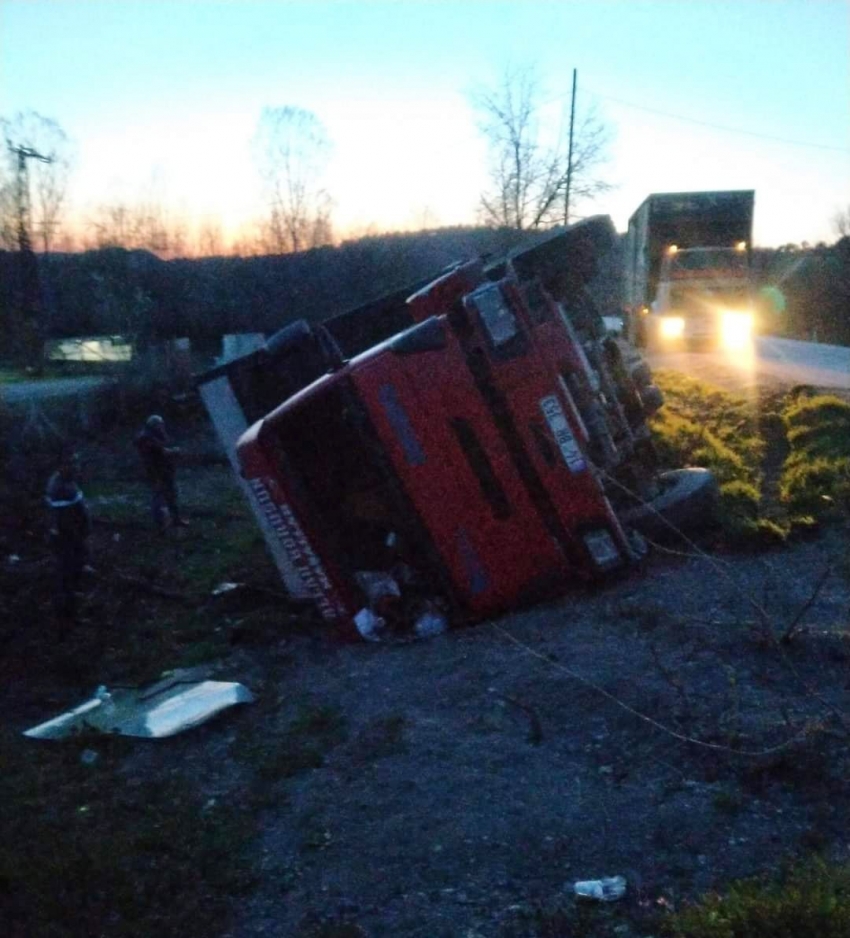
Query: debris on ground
x=369, y=625
x=224, y=588
x=164, y=709
x=431, y=623
x=608, y=889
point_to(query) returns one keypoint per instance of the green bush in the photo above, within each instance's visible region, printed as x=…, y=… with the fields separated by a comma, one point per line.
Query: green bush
x=738, y=514
x=822, y=409
x=681, y=442
x=740, y=499
x=816, y=487
x=816, y=475
x=703, y=426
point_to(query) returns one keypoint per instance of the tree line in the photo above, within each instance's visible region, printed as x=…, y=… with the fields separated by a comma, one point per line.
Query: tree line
x=134, y=293
x=530, y=165
x=115, y=291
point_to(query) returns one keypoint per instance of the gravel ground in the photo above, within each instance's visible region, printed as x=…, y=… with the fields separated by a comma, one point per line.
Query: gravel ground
x=49, y=388
x=459, y=786
x=486, y=770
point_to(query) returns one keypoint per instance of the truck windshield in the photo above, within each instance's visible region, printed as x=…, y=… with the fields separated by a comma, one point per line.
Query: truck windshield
x=682, y=296
x=331, y=451
x=707, y=259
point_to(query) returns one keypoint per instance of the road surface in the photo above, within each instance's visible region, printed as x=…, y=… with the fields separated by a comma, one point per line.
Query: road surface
x=771, y=361
x=19, y=391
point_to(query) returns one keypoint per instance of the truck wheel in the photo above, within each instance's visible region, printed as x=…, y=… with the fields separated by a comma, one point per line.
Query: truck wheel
x=687, y=499
x=651, y=398
x=641, y=374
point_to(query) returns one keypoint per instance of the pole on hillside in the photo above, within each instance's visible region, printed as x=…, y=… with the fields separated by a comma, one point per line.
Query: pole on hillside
x=27, y=333
x=570, y=154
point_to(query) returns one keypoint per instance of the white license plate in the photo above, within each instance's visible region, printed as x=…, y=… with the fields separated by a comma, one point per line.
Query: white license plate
x=564, y=437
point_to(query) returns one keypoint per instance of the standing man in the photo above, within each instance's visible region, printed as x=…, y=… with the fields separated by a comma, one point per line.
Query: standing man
x=70, y=527
x=158, y=458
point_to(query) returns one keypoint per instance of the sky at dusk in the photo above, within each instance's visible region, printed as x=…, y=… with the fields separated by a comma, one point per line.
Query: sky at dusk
x=164, y=96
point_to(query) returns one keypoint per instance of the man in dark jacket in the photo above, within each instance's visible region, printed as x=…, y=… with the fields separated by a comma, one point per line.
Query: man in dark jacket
x=158, y=458
x=70, y=527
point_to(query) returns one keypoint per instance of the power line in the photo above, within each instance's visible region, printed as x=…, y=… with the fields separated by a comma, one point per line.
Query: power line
x=731, y=130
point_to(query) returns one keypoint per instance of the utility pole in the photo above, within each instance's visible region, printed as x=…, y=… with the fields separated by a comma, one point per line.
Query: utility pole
x=23, y=192
x=28, y=333
x=570, y=155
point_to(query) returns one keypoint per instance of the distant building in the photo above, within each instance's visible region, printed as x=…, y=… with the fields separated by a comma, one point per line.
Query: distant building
x=237, y=344
x=95, y=348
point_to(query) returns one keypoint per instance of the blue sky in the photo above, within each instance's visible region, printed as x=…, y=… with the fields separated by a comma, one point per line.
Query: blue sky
x=166, y=94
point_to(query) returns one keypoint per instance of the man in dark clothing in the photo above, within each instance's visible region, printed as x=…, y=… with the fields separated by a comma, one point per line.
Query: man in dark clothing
x=70, y=527
x=158, y=458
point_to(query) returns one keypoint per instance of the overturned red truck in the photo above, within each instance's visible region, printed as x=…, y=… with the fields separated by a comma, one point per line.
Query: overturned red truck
x=487, y=455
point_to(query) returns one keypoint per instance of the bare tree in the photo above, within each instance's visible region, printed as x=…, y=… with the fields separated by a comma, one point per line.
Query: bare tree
x=140, y=223
x=841, y=222
x=48, y=179
x=291, y=149
x=529, y=164
x=210, y=240
x=115, y=224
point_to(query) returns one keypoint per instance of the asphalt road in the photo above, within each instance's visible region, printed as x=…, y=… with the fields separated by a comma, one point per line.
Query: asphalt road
x=47, y=388
x=770, y=361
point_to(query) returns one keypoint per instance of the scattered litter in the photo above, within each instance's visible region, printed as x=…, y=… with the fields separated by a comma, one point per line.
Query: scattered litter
x=89, y=756
x=603, y=890
x=224, y=588
x=380, y=587
x=370, y=626
x=163, y=709
x=431, y=623
x=396, y=610
x=14, y=558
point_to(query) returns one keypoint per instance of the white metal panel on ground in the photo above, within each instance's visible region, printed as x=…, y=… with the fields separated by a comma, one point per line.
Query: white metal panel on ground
x=162, y=710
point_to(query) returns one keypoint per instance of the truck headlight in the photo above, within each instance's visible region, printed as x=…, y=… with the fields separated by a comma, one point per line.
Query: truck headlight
x=672, y=327
x=737, y=329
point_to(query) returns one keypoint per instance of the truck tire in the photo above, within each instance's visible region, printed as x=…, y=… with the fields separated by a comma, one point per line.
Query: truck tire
x=651, y=398
x=687, y=499
x=641, y=374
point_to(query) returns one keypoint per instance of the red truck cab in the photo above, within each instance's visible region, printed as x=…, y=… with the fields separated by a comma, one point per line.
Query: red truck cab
x=465, y=448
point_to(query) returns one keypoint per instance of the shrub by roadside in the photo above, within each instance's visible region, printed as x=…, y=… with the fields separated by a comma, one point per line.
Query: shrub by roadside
x=816, y=475
x=701, y=425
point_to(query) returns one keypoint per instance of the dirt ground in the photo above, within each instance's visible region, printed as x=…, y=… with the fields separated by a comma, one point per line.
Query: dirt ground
x=485, y=771
x=654, y=729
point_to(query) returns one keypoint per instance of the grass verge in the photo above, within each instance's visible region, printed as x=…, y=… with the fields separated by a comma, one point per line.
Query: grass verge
x=133, y=844
x=88, y=851
x=812, y=899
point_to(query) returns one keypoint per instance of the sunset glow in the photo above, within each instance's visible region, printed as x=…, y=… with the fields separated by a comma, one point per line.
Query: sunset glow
x=162, y=101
